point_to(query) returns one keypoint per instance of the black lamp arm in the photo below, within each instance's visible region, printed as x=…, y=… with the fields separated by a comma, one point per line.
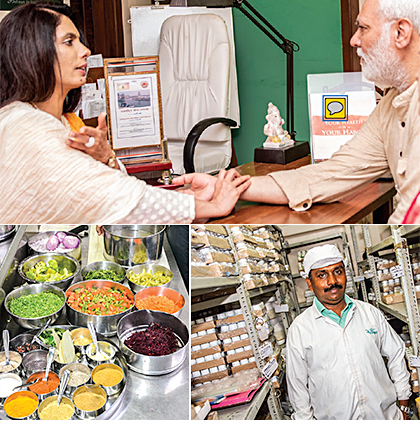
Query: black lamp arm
x=194, y=135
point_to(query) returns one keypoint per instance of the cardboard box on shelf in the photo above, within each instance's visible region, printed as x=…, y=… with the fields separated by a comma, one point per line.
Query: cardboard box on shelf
x=208, y=364
x=234, y=333
x=244, y=367
x=396, y=298
x=209, y=377
x=204, y=352
x=208, y=338
x=236, y=344
x=230, y=319
x=239, y=356
x=198, y=327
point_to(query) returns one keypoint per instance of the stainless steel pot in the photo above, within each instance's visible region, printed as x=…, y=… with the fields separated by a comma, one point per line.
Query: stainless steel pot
x=152, y=365
x=105, y=325
x=130, y=245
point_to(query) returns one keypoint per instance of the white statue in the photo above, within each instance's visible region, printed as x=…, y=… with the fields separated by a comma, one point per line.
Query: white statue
x=277, y=137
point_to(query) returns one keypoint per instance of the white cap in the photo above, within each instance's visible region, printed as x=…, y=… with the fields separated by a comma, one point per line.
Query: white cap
x=321, y=256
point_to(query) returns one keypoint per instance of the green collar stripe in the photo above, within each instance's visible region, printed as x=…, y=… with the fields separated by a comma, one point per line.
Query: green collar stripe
x=340, y=320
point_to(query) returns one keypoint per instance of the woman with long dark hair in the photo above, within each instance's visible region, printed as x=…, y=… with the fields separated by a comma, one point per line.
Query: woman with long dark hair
x=45, y=176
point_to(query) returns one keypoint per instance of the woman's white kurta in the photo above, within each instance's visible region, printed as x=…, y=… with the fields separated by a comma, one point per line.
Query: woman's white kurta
x=339, y=373
x=43, y=180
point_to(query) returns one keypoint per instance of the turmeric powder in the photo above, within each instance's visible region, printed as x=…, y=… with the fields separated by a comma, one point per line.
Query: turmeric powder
x=21, y=404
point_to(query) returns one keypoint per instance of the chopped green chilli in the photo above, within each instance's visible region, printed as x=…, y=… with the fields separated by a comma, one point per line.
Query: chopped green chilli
x=110, y=275
x=35, y=305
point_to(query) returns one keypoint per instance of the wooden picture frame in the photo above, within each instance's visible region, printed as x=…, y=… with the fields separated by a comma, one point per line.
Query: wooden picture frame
x=134, y=106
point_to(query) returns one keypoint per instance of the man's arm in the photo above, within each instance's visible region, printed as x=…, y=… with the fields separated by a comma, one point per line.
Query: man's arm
x=264, y=189
x=297, y=380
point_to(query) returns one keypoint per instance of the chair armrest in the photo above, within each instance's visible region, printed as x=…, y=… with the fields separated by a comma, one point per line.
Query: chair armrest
x=194, y=135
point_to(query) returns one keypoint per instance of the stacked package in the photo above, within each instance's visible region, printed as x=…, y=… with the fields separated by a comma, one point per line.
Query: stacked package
x=211, y=252
x=220, y=344
x=259, y=251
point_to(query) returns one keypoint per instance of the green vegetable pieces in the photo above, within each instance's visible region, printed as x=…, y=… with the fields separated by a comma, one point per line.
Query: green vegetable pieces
x=47, y=273
x=35, y=305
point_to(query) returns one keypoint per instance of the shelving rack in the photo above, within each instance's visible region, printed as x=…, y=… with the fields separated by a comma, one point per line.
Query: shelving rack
x=408, y=310
x=244, y=296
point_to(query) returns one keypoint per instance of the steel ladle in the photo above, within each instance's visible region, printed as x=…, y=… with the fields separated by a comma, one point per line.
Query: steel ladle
x=6, y=339
x=50, y=359
x=63, y=384
x=95, y=341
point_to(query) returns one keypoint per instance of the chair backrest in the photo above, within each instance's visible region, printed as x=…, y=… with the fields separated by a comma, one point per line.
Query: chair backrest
x=194, y=59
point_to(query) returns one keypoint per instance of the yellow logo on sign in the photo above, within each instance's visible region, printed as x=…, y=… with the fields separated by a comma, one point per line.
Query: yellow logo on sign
x=335, y=108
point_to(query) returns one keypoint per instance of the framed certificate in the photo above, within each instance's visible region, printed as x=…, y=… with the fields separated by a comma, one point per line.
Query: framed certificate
x=134, y=106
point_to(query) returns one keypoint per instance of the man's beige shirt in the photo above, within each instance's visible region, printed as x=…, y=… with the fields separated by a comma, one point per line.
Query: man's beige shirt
x=389, y=140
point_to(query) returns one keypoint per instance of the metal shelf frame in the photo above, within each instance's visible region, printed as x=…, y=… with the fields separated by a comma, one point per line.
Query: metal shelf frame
x=407, y=311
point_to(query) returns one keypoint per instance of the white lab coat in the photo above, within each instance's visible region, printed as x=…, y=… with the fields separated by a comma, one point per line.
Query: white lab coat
x=339, y=373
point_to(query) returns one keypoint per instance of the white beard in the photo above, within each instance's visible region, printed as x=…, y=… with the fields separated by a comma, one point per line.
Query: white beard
x=382, y=65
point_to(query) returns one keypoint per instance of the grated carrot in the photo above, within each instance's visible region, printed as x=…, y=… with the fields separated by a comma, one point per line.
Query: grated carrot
x=158, y=303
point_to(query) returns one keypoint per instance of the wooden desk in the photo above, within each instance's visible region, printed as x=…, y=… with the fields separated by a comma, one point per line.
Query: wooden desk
x=375, y=197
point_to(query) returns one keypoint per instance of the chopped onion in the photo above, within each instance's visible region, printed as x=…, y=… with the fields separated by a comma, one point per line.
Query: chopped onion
x=70, y=242
x=60, y=235
x=52, y=243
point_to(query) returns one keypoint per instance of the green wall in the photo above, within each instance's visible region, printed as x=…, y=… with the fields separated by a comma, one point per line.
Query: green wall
x=261, y=66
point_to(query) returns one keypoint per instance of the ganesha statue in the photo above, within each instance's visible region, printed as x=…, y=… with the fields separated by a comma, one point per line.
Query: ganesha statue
x=276, y=135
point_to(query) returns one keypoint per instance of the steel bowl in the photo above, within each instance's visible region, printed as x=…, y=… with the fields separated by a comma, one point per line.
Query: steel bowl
x=15, y=358
x=103, y=265
x=81, y=334
x=43, y=396
x=110, y=390
x=148, y=268
x=129, y=245
x=34, y=361
x=6, y=231
x=152, y=365
x=73, y=385
x=21, y=341
x=171, y=294
x=63, y=260
x=13, y=396
x=75, y=253
x=105, y=325
x=18, y=381
x=53, y=399
x=106, y=347
x=35, y=322
x=94, y=389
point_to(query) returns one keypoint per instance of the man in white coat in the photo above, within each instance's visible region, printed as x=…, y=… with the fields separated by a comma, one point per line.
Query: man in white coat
x=334, y=352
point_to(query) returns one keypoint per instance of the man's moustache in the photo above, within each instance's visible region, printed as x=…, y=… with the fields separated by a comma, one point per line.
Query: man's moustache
x=335, y=286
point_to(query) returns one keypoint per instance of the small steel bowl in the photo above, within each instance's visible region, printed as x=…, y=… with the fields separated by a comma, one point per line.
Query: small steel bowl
x=43, y=396
x=81, y=334
x=106, y=347
x=150, y=268
x=105, y=325
x=110, y=389
x=86, y=414
x=171, y=294
x=75, y=253
x=15, y=358
x=22, y=340
x=152, y=365
x=32, y=415
x=35, y=322
x=53, y=399
x=63, y=260
x=16, y=378
x=34, y=361
x=103, y=265
x=74, y=367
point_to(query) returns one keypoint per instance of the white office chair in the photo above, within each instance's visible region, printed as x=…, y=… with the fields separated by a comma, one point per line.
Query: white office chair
x=194, y=60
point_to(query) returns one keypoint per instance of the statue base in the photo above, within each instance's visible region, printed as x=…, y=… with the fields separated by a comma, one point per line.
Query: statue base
x=283, y=155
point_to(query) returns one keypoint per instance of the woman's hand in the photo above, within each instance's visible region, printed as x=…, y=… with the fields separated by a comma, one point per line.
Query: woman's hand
x=202, y=186
x=228, y=187
x=100, y=151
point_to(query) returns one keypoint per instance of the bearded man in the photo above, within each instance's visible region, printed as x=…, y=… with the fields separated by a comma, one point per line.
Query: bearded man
x=335, y=352
x=388, y=43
